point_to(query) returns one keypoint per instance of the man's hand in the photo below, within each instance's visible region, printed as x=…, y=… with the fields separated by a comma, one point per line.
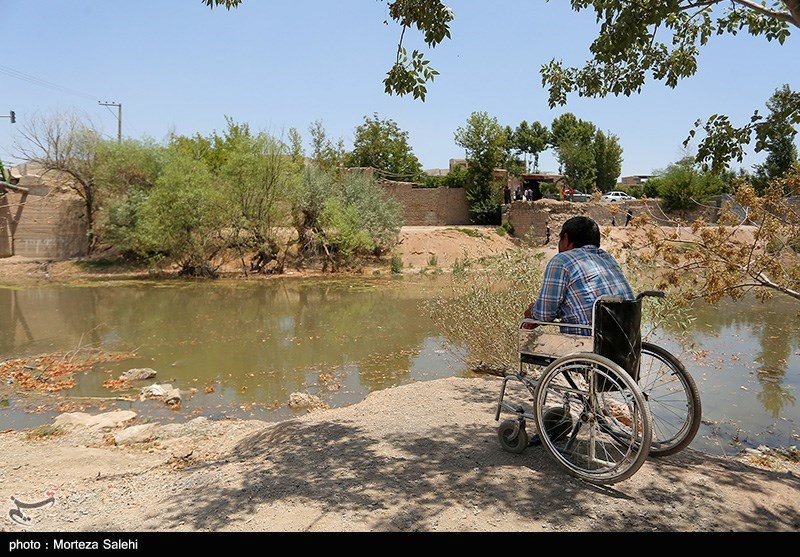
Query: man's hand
x=528, y=315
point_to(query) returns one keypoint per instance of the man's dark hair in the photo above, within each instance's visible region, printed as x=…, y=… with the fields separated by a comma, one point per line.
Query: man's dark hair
x=582, y=231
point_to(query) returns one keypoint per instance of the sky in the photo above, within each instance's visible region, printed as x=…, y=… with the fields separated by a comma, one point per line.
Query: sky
x=179, y=67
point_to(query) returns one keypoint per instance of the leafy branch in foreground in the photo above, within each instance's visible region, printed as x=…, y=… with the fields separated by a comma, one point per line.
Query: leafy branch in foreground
x=628, y=47
x=753, y=247
x=624, y=52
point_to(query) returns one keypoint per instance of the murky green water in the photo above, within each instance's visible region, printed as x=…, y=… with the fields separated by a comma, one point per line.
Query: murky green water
x=239, y=349
x=250, y=345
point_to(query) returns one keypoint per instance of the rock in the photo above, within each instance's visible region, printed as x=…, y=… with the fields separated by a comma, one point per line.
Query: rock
x=172, y=397
x=135, y=434
x=138, y=374
x=165, y=392
x=105, y=420
x=305, y=400
x=155, y=390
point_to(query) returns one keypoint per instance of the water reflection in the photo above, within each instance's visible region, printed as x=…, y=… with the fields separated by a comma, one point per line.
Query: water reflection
x=244, y=347
x=745, y=356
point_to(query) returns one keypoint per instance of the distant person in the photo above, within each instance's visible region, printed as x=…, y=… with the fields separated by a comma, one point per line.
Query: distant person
x=518, y=194
x=547, y=235
x=613, y=220
x=507, y=195
x=529, y=194
x=628, y=217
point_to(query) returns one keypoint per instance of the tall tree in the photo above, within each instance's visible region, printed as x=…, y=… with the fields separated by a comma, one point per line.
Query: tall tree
x=576, y=158
x=780, y=141
x=725, y=142
x=185, y=217
x=127, y=172
x=256, y=177
x=343, y=214
x=531, y=140
x=325, y=153
x=484, y=141
x=382, y=145
x=608, y=160
x=573, y=140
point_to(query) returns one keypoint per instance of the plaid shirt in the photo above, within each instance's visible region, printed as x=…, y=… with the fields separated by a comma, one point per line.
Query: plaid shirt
x=573, y=280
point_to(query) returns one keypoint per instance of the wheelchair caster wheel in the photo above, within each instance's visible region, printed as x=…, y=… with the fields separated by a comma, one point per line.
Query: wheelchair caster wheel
x=512, y=435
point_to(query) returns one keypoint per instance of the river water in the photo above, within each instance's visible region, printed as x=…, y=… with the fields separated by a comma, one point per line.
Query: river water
x=241, y=348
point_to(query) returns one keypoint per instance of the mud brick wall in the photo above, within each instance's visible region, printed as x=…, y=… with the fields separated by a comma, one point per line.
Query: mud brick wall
x=429, y=206
x=530, y=219
x=42, y=223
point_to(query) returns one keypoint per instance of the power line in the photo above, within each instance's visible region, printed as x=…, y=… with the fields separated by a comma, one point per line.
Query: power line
x=16, y=74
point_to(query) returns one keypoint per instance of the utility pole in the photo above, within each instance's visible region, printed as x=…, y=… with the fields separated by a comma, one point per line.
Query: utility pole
x=11, y=115
x=119, y=117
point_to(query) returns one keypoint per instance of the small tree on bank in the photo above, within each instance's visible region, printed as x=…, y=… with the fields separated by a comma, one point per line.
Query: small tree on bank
x=65, y=143
x=184, y=217
x=382, y=145
x=484, y=141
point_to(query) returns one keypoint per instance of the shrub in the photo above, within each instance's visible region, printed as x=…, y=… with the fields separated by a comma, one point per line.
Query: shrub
x=396, y=263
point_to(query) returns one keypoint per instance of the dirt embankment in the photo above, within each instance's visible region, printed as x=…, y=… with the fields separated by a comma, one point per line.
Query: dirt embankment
x=419, y=248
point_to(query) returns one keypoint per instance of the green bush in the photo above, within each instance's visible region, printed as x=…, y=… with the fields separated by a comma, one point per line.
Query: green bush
x=396, y=263
x=682, y=184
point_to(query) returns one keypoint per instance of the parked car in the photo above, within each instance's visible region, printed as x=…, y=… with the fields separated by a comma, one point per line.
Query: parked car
x=616, y=196
x=578, y=195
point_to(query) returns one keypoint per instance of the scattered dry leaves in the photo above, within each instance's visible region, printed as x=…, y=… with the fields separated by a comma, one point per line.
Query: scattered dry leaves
x=53, y=372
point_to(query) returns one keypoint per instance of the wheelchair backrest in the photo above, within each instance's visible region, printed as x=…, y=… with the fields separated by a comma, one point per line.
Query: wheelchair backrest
x=618, y=332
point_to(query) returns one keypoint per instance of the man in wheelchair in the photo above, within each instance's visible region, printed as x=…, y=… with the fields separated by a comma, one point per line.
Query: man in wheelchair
x=576, y=276
x=574, y=279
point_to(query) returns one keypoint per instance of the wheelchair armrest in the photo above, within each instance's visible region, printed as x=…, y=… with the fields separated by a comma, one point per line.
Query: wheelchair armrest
x=537, y=323
x=608, y=298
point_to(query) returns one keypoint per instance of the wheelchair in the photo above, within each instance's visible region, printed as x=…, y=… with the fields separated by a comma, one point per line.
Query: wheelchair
x=603, y=403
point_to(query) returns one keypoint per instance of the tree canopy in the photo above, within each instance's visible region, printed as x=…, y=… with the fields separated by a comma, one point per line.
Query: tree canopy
x=658, y=38
x=382, y=145
x=724, y=142
x=661, y=39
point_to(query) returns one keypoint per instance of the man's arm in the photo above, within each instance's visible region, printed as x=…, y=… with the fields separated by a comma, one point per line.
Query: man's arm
x=554, y=289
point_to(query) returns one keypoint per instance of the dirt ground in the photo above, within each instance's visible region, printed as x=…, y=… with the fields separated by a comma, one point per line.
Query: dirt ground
x=423, y=457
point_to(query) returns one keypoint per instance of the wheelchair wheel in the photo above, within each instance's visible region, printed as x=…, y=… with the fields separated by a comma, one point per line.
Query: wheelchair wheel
x=512, y=435
x=673, y=399
x=577, y=396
